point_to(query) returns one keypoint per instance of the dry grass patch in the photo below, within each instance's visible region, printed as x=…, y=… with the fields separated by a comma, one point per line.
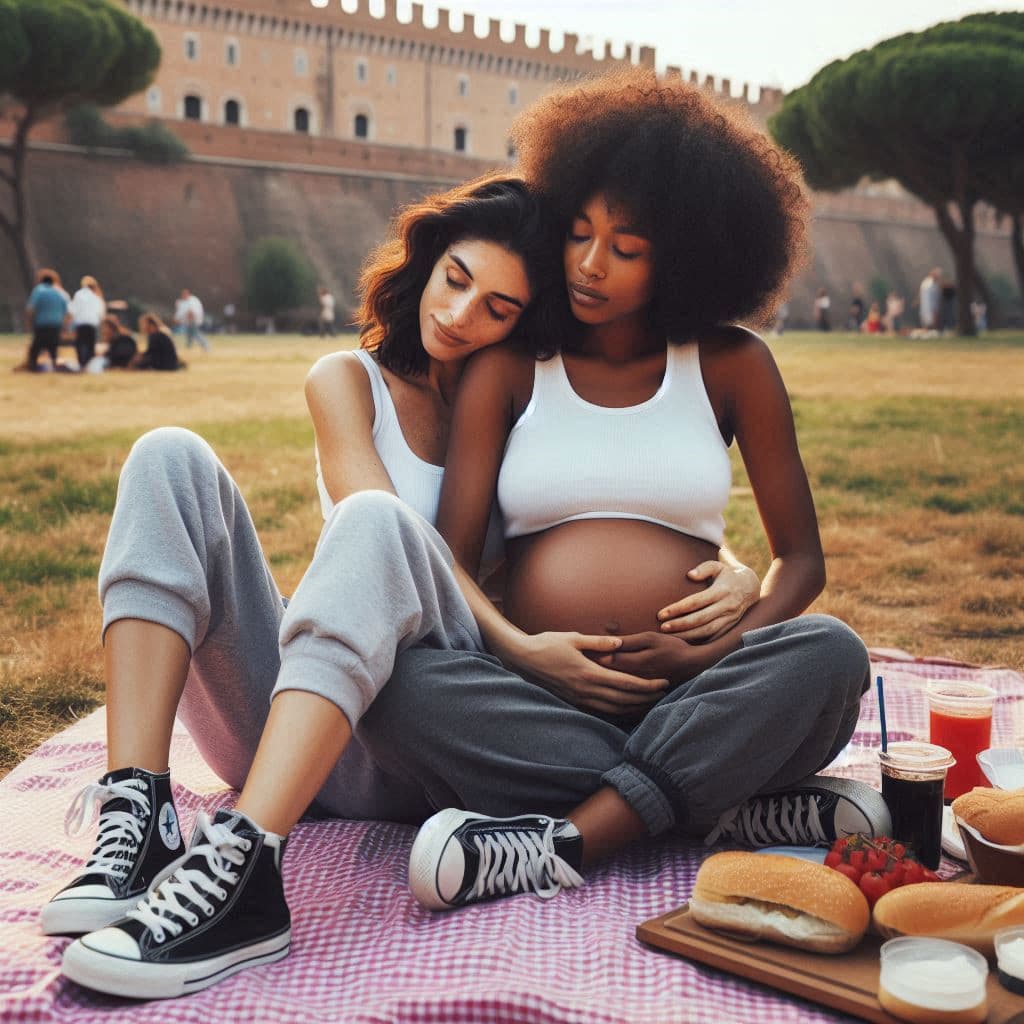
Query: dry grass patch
x=912, y=449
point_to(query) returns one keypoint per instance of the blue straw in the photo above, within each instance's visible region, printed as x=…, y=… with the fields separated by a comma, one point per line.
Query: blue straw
x=881, y=713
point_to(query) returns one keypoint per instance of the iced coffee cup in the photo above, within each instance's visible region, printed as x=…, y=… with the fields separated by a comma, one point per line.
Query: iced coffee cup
x=960, y=719
x=913, y=778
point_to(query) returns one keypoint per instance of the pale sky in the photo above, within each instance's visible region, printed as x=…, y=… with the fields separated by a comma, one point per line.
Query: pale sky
x=780, y=43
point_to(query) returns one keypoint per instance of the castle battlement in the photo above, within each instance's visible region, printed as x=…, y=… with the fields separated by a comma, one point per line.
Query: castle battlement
x=349, y=72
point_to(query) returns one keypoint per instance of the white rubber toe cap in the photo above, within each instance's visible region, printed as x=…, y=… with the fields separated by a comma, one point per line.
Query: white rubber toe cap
x=112, y=942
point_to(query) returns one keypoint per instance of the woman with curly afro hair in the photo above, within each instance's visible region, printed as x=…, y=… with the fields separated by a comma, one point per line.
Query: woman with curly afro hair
x=610, y=462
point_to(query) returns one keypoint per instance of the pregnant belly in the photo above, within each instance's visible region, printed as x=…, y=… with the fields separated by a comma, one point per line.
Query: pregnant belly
x=600, y=575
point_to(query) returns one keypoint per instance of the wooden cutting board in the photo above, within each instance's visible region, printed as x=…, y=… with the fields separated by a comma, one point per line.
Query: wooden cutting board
x=848, y=983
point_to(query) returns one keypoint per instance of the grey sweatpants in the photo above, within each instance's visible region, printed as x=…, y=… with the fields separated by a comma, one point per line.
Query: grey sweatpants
x=379, y=627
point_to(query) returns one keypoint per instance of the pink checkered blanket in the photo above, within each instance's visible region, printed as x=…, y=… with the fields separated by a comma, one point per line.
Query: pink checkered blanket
x=364, y=951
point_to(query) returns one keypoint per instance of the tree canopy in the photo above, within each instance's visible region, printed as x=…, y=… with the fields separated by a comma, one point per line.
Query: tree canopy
x=55, y=54
x=936, y=110
x=277, y=276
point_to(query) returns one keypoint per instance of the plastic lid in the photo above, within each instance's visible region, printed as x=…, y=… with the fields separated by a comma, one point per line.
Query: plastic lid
x=917, y=759
x=1010, y=950
x=934, y=974
x=958, y=698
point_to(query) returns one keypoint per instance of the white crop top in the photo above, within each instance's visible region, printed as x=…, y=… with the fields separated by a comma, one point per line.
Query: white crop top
x=417, y=482
x=662, y=461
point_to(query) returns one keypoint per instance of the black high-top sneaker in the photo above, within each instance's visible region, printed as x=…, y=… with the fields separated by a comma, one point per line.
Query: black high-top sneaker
x=459, y=857
x=138, y=838
x=221, y=911
x=813, y=812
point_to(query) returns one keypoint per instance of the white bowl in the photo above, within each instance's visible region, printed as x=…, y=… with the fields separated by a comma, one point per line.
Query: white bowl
x=1003, y=767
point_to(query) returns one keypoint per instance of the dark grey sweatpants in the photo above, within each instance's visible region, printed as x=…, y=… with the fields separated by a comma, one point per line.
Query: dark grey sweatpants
x=379, y=626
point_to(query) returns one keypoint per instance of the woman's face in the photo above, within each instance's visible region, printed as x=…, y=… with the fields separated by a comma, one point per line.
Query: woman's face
x=474, y=297
x=609, y=264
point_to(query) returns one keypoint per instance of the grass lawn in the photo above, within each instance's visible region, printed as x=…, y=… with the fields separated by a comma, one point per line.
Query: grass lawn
x=913, y=449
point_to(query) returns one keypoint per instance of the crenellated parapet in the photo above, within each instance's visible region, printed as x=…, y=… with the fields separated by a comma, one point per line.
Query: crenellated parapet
x=478, y=44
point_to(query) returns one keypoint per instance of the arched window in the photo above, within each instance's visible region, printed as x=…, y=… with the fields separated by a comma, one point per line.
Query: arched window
x=301, y=119
x=460, y=140
x=193, y=108
x=232, y=112
x=362, y=126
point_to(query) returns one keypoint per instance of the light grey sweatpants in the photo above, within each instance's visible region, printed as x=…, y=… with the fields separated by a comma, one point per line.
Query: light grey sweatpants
x=379, y=626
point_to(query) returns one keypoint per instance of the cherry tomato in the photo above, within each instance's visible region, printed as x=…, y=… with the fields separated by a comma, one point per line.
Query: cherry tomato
x=850, y=871
x=833, y=857
x=913, y=872
x=898, y=850
x=877, y=860
x=858, y=859
x=930, y=876
x=874, y=886
x=895, y=873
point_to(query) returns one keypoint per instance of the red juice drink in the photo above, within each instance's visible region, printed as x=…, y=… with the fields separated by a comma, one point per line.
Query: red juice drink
x=960, y=719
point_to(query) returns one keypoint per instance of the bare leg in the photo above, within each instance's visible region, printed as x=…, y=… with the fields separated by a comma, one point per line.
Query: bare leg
x=304, y=736
x=146, y=668
x=607, y=823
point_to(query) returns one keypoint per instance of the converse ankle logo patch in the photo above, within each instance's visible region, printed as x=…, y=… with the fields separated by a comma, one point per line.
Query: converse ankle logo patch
x=167, y=826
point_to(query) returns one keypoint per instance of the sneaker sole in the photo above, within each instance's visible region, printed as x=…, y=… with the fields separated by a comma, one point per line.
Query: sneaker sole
x=72, y=916
x=137, y=980
x=425, y=856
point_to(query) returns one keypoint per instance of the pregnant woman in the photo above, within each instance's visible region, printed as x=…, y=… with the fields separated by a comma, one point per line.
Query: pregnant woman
x=610, y=463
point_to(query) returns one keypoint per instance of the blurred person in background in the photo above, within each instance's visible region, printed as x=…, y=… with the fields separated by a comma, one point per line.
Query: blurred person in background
x=45, y=313
x=87, y=308
x=160, y=353
x=189, y=315
x=326, y=312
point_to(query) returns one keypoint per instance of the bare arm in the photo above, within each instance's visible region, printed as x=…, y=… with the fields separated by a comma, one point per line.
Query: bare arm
x=341, y=406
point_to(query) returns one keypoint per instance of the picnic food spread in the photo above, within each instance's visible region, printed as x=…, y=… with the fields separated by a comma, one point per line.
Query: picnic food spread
x=783, y=899
x=964, y=913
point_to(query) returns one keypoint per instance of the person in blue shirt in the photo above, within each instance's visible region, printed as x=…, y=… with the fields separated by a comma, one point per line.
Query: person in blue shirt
x=45, y=313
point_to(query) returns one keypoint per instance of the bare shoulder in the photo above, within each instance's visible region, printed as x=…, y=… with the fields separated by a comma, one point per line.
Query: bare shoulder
x=732, y=347
x=500, y=371
x=338, y=384
x=338, y=372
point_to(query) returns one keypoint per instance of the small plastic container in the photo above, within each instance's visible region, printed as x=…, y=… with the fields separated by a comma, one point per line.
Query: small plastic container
x=1010, y=958
x=1003, y=767
x=934, y=981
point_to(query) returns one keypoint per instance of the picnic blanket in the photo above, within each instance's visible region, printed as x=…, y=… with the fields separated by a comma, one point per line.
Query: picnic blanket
x=364, y=951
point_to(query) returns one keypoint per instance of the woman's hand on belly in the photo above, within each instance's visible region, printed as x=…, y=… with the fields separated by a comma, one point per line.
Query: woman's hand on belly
x=709, y=613
x=566, y=664
x=659, y=655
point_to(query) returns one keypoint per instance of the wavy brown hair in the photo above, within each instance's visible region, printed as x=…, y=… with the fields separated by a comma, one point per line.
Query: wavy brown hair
x=724, y=208
x=494, y=208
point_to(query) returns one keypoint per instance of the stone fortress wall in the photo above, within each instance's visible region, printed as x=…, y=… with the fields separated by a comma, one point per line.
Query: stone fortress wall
x=146, y=231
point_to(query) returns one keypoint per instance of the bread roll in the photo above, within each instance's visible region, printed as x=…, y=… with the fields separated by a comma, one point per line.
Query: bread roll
x=783, y=899
x=998, y=814
x=970, y=914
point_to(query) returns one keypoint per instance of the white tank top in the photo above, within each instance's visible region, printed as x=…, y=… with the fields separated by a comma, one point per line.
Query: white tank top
x=417, y=482
x=662, y=461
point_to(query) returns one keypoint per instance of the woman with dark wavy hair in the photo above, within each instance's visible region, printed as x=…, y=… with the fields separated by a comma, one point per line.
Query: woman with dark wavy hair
x=193, y=620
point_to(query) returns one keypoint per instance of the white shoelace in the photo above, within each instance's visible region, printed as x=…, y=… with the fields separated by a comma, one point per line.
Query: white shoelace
x=767, y=820
x=515, y=861
x=120, y=831
x=221, y=847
